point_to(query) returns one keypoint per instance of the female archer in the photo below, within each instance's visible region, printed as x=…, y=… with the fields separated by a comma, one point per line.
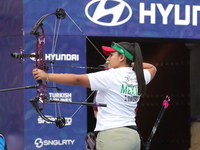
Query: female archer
x=120, y=87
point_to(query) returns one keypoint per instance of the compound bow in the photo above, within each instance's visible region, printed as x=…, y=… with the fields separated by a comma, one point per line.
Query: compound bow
x=40, y=63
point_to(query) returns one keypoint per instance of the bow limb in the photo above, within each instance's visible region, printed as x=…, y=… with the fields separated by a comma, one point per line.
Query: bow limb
x=60, y=14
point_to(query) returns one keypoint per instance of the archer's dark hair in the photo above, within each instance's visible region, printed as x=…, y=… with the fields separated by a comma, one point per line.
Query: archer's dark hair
x=135, y=50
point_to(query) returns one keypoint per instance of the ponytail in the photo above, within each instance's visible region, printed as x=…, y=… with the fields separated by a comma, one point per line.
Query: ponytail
x=138, y=68
x=135, y=50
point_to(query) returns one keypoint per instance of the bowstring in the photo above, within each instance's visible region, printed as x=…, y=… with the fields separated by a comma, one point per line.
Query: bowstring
x=85, y=36
x=54, y=43
x=95, y=49
x=82, y=105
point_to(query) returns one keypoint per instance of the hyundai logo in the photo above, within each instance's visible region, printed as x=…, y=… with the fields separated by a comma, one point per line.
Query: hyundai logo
x=108, y=12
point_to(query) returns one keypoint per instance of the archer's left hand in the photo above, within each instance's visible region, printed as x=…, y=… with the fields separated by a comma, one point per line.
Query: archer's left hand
x=39, y=74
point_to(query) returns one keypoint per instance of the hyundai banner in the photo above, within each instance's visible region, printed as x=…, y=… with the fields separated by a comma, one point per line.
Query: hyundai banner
x=125, y=18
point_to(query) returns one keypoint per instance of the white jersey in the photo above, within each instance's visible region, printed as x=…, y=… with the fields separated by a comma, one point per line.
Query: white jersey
x=118, y=88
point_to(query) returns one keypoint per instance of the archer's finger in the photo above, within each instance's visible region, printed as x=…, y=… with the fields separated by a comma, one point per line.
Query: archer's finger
x=35, y=76
x=34, y=70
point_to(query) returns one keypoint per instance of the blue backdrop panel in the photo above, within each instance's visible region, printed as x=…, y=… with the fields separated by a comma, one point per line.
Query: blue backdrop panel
x=11, y=102
x=11, y=73
x=45, y=135
x=11, y=18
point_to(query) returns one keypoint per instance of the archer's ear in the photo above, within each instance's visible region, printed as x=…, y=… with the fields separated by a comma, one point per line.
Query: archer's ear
x=122, y=57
